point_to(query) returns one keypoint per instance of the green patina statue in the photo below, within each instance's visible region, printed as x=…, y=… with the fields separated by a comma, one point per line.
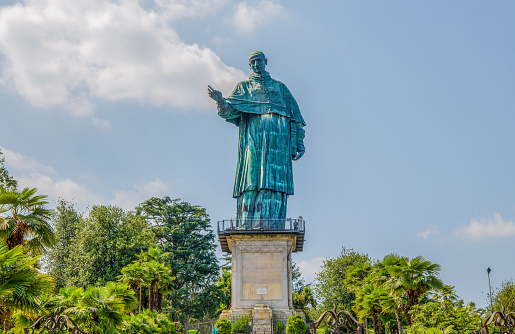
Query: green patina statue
x=271, y=135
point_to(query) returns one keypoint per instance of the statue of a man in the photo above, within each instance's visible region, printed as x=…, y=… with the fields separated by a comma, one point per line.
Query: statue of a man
x=271, y=135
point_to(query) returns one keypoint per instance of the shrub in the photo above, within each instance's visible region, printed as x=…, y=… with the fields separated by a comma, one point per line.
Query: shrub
x=279, y=327
x=296, y=325
x=224, y=326
x=241, y=325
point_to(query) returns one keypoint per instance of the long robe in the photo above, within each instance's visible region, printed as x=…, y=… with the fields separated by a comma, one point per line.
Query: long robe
x=270, y=134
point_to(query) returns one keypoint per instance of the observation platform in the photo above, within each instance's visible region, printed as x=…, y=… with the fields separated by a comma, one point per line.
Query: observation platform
x=289, y=226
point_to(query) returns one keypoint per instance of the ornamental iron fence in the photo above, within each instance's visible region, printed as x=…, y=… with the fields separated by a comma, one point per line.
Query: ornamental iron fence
x=338, y=322
x=501, y=322
x=58, y=324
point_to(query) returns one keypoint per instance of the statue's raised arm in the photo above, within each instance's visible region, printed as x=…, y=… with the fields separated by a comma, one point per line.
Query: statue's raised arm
x=271, y=135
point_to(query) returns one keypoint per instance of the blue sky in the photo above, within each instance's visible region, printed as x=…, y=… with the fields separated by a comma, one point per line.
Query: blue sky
x=409, y=109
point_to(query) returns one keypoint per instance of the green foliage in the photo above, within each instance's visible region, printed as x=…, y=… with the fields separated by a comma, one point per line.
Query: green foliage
x=298, y=282
x=224, y=326
x=304, y=298
x=295, y=325
x=183, y=230
x=329, y=285
x=452, y=319
x=411, y=278
x=97, y=309
x=22, y=287
x=224, y=284
x=94, y=248
x=24, y=220
x=6, y=180
x=61, y=259
x=279, y=327
x=431, y=330
x=505, y=295
x=241, y=325
x=147, y=322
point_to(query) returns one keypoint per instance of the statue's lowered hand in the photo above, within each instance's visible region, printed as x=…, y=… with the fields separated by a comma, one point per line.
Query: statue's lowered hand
x=299, y=155
x=215, y=94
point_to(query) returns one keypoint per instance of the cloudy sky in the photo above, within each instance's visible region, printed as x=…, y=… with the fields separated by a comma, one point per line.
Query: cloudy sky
x=409, y=109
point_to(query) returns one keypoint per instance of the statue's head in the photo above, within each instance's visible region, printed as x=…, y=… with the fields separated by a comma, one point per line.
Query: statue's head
x=257, y=62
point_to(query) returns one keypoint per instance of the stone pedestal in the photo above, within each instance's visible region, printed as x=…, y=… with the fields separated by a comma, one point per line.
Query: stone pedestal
x=262, y=316
x=261, y=274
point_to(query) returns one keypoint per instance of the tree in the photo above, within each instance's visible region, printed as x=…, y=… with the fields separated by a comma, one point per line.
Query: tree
x=298, y=282
x=224, y=284
x=303, y=298
x=505, y=295
x=22, y=287
x=452, y=318
x=330, y=286
x=103, y=243
x=24, y=219
x=67, y=223
x=96, y=310
x=295, y=325
x=367, y=283
x=183, y=230
x=413, y=278
x=6, y=180
x=147, y=322
x=158, y=277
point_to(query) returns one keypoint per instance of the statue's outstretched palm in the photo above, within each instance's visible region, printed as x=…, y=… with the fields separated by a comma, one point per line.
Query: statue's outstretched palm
x=214, y=94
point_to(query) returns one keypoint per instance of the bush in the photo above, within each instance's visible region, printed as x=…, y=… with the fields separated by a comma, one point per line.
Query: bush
x=148, y=322
x=279, y=327
x=224, y=326
x=296, y=325
x=241, y=325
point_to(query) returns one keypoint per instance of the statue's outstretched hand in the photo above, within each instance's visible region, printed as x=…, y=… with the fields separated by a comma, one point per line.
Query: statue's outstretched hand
x=215, y=94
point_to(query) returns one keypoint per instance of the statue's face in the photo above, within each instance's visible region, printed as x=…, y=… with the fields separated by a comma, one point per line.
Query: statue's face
x=258, y=64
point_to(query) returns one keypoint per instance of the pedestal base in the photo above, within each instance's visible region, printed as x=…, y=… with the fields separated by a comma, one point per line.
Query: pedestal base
x=261, y=271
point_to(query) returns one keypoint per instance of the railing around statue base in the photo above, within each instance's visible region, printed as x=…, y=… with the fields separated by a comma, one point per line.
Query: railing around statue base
x=290, y=226
x=51, y=324
x=261, y=225
x=342, y=322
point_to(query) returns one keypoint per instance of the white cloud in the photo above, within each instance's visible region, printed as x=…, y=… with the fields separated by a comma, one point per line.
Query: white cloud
x=22, y=164
x=32, y=174
x=101, y=123
x=58, y=188
x=250, y=16
x=129, y=199
x=311, y=267
x=67, y=54
x=431, y=230
x=487, y=228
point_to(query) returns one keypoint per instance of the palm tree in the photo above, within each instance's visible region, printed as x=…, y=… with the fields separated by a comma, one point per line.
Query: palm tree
x=160, y=283
x=159, y=276
x=134, y=275
x=97, y=309
x=447, y=295
x=412, y=278
x=21, y=285
x=24, y=220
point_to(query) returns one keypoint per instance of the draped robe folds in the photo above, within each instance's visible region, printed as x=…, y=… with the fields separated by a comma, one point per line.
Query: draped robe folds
x=270, y=134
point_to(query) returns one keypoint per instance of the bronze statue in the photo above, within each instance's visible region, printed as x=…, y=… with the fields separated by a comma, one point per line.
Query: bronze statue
x=271, y=135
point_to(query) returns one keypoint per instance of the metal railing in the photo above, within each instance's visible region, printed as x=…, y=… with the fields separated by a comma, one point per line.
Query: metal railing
x=261, y=225
x=501, y=321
